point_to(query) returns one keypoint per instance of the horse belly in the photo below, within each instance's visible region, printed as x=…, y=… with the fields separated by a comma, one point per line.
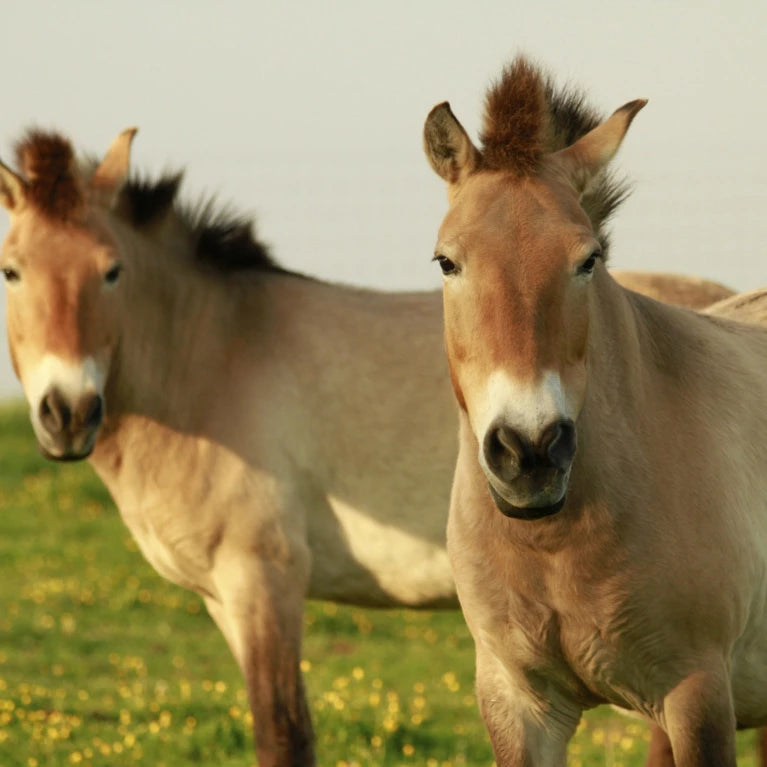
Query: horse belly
x=359, y=559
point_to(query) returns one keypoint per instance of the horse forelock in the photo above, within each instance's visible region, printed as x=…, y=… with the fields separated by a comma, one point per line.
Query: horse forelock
x=528, y=116
x=57, y=184
x=514, y=126
x=47, y=162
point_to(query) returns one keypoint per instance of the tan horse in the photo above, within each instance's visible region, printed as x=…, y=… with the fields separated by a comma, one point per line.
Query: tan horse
x=744, y=307
x=265, y=436
x=608, y=520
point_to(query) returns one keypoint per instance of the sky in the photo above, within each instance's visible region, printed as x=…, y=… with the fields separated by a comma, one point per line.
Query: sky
x=309, y=116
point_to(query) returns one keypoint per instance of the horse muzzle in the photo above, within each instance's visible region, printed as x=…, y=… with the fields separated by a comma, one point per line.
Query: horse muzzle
x=67, y=428
x=528, y=479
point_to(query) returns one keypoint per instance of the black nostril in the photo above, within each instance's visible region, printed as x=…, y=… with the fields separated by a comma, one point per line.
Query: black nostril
x=55, y=415
x=506, y=452
x=93, y=411
x=558, y=443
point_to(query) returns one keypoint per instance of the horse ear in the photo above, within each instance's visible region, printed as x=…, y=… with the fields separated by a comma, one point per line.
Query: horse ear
x=448, y=147
x=112, y=173
x=12, y=189
x=584, y=159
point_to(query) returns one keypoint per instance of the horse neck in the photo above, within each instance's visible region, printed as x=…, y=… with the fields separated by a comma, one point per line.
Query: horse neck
x=635, y=342
x=174, y=330
x=643, y=370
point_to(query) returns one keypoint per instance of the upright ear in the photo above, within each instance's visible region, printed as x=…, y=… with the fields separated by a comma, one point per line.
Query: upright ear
x=112, y=173
x=448, y=147
x=12, y=188
x=584, y=159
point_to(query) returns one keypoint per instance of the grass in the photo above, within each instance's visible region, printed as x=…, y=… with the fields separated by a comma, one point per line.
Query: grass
x=104, y=663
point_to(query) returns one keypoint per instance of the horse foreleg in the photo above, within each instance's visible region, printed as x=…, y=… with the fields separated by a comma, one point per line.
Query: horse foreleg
x=525, y=731
x=700, y=720
x=263, y=627
x=659, y=753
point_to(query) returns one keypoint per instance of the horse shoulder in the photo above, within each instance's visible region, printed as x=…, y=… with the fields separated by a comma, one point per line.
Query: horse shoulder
x=183, y=512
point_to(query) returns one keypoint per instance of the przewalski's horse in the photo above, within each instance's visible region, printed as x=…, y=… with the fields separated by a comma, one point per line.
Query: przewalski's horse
x=692, y=292
x=255, y=428
x=265, y=436
x=744, y=307
x=608, y=520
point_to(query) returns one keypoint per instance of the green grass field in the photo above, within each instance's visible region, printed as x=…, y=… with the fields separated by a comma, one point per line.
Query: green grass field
x=104, y=663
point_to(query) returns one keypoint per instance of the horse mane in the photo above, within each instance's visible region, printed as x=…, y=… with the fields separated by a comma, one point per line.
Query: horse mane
x=221, y=239
x=528, y=116
x=56, y=184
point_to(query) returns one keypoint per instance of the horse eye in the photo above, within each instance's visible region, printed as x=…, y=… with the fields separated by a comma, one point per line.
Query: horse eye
x=446, y=265
x=113, y=274
x=587, y=267
x=11, y=275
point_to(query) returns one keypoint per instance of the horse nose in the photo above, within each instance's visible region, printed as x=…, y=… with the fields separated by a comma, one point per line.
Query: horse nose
x=60, y=417
x=509, y=453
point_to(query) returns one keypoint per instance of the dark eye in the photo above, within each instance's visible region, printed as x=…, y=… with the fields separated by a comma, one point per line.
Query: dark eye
x=587, y=267
x=447, y=266
x=113, y=274
x=11, y=275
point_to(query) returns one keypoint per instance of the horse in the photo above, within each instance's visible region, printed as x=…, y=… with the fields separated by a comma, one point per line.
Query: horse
x=745, y=307
x=681, y=290
x=266, y=437
x=608, y=518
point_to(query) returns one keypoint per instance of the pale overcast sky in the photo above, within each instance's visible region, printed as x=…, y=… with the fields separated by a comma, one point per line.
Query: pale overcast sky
x=309, y=115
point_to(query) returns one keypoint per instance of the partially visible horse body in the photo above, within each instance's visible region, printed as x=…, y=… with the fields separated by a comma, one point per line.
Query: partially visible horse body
x=254, y=427
x=748, y=307
x=692, y=292
x=266, y=437
x=608, y=520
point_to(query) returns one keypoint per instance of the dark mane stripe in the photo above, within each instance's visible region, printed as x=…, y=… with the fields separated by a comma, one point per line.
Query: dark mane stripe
x=47, y=162
x=227, y=241
x=570, y=117
x=57, y=186
x=142, y=201
x=219, y=238
x=528, y=116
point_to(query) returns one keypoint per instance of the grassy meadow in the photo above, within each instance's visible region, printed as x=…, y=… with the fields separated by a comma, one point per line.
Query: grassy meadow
x=104, y=663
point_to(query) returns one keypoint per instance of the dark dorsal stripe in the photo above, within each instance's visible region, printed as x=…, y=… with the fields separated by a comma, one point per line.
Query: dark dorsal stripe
x=219, y=239
x=143, y=201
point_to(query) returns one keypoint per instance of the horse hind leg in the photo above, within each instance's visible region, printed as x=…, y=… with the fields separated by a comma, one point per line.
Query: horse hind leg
x=265, y=638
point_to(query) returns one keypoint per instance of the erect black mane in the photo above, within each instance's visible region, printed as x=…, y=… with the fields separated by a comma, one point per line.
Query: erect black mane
x=223, y=240
x=570, y=117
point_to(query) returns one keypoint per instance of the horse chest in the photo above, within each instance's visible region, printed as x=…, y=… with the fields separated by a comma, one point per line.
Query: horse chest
x=177, y=496
x=177, y=533
x=548, y=626
x=178, y=555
